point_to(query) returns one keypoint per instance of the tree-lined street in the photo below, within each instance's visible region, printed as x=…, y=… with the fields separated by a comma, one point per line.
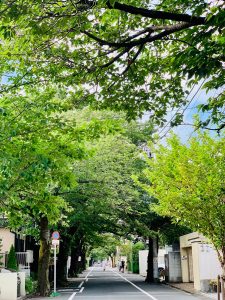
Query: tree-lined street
x=88, y=92
x=96, y=284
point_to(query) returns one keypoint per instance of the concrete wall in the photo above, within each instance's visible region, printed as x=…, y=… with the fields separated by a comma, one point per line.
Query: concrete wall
x=143, y=258
x=8, y=286
x=184, y=265
x=161, y=261
x=22, y=276
x=205, y=266
x=174, y=261
x=186, y=243
x=158, y=261
x=8, y=239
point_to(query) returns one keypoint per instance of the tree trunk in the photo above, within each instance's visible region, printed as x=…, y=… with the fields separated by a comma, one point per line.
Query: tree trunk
x=113, y=261
x=152, y=265
x=64, y=250
x=150, y=272
x=83, y=259
x=75, y=264
x=44, y=257
x=155, y=259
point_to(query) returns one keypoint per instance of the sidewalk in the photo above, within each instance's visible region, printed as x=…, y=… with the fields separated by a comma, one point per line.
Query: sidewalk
x=189, y=288
x=65, y=292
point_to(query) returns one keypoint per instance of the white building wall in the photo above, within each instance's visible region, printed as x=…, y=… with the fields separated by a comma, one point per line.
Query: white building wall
x=206, y=265
x=209, y=264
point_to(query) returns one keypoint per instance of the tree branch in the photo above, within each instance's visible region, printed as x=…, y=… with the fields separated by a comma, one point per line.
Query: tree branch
x=155, y=14
x=127, y=49
x=147, y=39
x=149, y=30
x=217, y=129
x=133, y=59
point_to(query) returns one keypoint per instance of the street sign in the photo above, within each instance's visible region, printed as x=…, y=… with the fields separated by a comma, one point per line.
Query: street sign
x=55, y=235
x=55, y=242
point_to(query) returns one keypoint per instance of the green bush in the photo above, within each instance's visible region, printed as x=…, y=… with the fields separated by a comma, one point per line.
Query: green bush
x=12, y=263
x=136, y=248
x=30, y=285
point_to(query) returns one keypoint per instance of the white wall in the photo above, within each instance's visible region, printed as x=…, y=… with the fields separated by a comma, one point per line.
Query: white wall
x=208, y=262
x=161, y=260
x=22, y=276
x=8, y=286
x=143, y=258
x=205, y=264
x=174, y=267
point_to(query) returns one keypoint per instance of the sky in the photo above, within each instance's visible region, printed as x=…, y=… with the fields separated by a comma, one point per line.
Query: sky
x=185, y=132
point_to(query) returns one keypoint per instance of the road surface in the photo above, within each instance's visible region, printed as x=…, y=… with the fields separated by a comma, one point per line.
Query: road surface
x=97, y=284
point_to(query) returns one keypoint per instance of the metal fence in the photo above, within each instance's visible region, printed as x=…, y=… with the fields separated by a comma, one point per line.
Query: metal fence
x=3, y=259
x=23, y=259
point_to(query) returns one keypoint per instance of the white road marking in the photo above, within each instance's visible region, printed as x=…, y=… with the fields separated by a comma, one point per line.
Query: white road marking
x=66, y=290
x=137, y=287
x=72, y=296
x=81, y=291
x=80, y=285
x=89, y=273
x=86, y=278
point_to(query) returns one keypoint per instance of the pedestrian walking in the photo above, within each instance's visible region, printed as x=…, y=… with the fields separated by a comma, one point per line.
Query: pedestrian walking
x=104, y=265
x=122, y=266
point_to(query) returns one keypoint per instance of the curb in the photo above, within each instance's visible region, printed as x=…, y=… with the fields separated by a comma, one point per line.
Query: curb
x=208, y=296
x=177, y=288
x=188, y=292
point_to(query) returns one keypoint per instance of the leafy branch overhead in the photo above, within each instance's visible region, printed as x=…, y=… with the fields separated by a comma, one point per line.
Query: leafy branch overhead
x=135, y=56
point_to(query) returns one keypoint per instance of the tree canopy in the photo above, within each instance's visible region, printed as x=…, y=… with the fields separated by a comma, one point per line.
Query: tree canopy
x=135, y=56
x=188, y=185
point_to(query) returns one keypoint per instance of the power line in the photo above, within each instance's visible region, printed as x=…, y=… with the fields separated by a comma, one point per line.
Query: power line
x=184, y=109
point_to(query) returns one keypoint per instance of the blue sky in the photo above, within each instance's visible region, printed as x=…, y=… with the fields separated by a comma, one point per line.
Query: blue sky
x=197, y=96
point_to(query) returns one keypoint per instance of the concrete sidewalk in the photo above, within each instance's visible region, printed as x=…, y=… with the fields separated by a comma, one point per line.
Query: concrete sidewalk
x=66, y=293
x=189, y=288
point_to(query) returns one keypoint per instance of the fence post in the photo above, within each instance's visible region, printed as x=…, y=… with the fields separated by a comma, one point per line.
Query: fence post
x=218, y=287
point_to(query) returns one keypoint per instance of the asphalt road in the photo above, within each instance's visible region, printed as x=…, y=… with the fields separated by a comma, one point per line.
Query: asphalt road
x=112, y=285
x=96, y=284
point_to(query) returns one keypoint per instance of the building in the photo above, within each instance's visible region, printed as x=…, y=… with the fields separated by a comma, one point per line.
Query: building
x=23, y=247
x=199, y=261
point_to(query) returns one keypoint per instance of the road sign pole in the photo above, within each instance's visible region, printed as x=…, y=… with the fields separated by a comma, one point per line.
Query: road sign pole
x=55, y=243
x=54, y=268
